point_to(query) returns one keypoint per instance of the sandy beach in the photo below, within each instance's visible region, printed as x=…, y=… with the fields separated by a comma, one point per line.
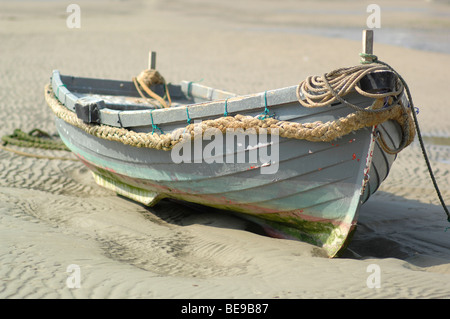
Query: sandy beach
x=54, y=218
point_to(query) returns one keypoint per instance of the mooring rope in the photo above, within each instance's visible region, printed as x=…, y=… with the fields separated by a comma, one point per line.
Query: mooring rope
x=374, y=59
x=35, y=138
x=318, y=91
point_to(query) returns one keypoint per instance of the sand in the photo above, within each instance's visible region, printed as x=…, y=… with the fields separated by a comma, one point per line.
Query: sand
x=53, y=215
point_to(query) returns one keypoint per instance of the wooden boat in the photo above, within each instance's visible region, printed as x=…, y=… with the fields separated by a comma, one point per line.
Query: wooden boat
x=269, y=171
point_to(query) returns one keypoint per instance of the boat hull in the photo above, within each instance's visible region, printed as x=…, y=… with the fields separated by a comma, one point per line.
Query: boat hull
x=314, y=195
x=294, y=188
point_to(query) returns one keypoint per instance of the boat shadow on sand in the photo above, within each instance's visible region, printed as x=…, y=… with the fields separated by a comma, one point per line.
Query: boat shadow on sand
x=389, y=226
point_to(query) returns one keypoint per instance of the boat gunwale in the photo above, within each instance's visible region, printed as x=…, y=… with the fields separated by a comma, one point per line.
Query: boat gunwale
x=212, y=106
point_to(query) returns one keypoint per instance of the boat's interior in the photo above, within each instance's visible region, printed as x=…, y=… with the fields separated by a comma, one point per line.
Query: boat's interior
x=123, y=95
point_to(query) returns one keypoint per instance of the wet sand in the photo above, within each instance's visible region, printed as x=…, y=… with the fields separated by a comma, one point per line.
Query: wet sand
x=53, y=215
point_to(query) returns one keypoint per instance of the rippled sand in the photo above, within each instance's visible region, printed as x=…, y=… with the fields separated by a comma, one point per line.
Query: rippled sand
x=53, y=215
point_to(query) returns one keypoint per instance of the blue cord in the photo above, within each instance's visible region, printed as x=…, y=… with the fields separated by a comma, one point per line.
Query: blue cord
x=188, y=118
x=226, y=108
x=154, y=126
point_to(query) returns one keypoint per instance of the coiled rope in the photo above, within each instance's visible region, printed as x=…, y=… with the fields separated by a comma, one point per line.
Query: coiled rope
x=321, y=91
x=150, y=77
